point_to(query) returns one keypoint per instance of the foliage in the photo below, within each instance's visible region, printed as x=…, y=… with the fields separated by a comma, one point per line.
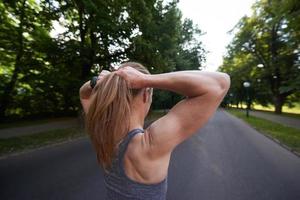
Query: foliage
x=41, y=73
x=268, y=39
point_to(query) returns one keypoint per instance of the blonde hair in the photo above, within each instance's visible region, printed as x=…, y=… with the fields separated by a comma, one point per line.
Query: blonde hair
x=108, y=117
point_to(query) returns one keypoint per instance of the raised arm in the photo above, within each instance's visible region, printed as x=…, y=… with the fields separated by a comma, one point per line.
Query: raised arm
x=204, y=92
x=189, y=83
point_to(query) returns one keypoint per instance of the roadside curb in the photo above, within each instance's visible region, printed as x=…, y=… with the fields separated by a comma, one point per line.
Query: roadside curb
x=278, y=142
x=268, y=136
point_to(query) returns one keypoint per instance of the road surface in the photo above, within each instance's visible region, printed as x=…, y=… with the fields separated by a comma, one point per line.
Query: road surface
x=226, y=160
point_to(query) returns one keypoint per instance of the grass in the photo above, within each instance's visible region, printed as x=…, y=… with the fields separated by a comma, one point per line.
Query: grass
x=26, y=142
x=290, y=112
x=285, y=109
x=292, y=115
x=287, y=135
x=31, y=122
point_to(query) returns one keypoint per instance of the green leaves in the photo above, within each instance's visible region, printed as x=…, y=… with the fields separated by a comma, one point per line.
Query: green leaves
x=268, y=38
x=41, y=75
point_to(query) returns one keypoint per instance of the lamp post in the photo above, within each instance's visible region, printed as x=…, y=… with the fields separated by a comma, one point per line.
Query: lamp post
x=230, y=100
x=246, y=84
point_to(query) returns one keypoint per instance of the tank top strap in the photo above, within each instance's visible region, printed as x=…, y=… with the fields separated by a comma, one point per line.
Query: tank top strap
x=126, y=140
x=123, y=146
x=133, y=132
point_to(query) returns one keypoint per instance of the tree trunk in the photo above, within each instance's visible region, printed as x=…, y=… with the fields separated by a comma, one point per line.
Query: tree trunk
x=275, y=79
x=278, y=103
x=82, y=31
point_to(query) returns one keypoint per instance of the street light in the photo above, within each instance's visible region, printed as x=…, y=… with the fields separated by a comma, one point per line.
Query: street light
x=260, y=66
x=230, y=99
x=247, y=85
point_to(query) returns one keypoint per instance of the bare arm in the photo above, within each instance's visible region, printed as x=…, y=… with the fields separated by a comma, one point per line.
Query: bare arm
x=189, y=83
x=204, y=92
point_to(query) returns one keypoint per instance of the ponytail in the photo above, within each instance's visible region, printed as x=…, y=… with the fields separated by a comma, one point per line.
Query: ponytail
x=108, y=117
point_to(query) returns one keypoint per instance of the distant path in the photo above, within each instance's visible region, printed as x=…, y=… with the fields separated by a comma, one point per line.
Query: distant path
x=225, y=160
x=31, y=129
x=284, y=120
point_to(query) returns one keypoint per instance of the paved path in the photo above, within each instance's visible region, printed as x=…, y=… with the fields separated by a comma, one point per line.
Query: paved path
x=27, y=130
x=287, y=121
x=226, y=160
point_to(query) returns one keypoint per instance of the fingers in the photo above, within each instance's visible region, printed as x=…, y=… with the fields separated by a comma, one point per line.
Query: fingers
x=104, y=73
x=124, y=71
x=121, y=70
x=114, y=70
x=119, y=73
x=126, y=68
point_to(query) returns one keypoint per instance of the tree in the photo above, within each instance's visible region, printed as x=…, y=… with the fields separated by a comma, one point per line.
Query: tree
x=40, y=74
x=22, y=26
x=268, y=38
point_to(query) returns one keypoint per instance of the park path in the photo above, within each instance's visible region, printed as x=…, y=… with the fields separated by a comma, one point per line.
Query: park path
x=225, y=160
x=40, y=128
x=284, y=120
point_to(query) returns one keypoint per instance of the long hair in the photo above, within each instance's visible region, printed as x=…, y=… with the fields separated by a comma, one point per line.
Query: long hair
x=108, y=117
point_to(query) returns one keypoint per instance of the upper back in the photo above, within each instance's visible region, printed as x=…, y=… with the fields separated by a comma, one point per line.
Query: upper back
x=121, y=186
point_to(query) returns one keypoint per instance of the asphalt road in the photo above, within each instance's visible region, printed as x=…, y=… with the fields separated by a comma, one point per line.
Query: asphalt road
x=225, y=160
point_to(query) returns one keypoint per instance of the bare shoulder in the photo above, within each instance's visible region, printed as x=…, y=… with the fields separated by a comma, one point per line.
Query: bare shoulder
x=140, y=166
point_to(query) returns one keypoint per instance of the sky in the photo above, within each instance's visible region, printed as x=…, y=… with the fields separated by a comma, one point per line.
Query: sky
x=215, y=18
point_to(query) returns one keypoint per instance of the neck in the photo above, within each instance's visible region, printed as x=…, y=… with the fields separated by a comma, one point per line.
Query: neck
x=136, y=121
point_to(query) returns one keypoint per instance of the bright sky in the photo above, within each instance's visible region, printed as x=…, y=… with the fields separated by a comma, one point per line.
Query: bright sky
x=216, y=18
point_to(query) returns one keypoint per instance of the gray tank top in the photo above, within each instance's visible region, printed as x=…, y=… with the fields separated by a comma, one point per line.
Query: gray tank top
x=120, y=187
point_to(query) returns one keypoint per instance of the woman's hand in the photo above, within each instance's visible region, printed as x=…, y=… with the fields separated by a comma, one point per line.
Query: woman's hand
x=86, y=91
x=103, y=73
x=133, y=77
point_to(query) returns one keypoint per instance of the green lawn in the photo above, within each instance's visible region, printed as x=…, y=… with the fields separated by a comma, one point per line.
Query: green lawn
x=32, y=122
x=292, y=112
x=287, y=135
x=285, y=109
x=21, y=143
x=293, y=115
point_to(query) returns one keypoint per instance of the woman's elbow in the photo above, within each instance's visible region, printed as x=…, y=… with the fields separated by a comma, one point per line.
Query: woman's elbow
x=224, y=82
x=222, y=86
